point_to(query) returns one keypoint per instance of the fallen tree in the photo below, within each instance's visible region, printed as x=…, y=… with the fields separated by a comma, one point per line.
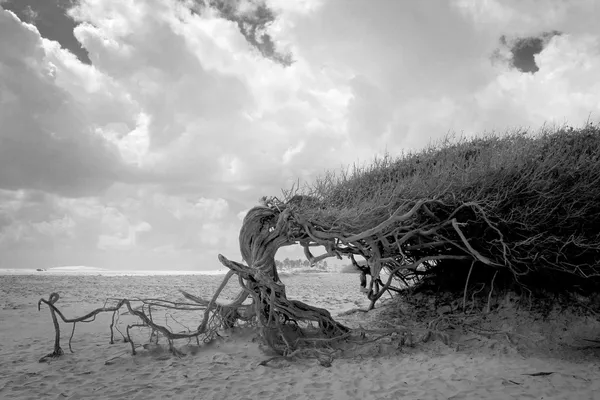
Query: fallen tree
x=517, y=212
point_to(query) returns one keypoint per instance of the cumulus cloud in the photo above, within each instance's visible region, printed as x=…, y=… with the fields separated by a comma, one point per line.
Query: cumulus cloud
x=47, y=141
x=50, y=18
x=152, y=151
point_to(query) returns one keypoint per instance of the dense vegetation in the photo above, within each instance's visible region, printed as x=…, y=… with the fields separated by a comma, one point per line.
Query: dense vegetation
x=300, y=266
x=522, y=209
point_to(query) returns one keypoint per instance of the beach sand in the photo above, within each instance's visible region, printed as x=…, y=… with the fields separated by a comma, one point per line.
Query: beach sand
x=469, y=367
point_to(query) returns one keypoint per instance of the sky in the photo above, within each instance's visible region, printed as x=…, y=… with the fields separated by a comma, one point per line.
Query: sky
x=135, y=134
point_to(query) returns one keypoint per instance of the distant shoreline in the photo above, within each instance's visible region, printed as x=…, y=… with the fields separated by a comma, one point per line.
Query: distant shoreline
x=92, y=271
x=87, y=271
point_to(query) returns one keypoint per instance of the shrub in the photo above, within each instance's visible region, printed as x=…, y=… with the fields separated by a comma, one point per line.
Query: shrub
x=523, y=207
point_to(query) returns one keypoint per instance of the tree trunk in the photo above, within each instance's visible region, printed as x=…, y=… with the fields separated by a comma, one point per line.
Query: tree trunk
x=263, y=232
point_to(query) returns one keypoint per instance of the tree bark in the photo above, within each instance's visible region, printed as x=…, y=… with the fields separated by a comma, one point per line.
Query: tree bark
x=264, y=231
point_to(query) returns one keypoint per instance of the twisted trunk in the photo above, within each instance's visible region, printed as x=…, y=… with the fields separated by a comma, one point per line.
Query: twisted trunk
x=263, y=232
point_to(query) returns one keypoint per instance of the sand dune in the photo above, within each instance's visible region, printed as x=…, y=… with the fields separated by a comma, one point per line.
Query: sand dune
x=228, y=368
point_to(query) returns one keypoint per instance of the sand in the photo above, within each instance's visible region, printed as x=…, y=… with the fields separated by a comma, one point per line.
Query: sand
x=228, y=368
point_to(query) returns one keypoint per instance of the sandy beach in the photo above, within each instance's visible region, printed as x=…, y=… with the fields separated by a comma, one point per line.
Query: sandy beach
x=466, y=368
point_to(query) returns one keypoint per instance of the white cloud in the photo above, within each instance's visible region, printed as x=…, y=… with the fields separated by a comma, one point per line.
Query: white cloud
x=154, y=153
x=292, y=151
x=47, y=140
x=564, y=89
x=526, y=17
x=202, y=208
x=54, y=228
x=123, y=240
x=288, y=8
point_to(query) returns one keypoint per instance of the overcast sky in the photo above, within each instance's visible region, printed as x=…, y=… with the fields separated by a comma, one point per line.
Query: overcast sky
x=134, y=134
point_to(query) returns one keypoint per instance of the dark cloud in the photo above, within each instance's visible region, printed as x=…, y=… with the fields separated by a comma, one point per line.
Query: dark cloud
x=51, y=19
x=524, y=49
x=253, y=20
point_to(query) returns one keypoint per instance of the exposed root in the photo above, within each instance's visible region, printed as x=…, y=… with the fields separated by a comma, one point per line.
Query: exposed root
x=58, y=351
x=207, y=330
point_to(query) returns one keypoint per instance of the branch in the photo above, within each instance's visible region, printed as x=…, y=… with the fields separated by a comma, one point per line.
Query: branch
x=393, y=219
x=313, y=260
x=475, y=253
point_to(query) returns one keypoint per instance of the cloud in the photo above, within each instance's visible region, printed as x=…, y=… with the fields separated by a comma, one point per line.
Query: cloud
x=200, y=209
x=152, y=153
x=520, y=52
x=529, y=17
x=47, y=141
x=123, y=240
x=227, y=115
x=27, y=219
x=56, y=227
x=565, y=89
x=369, y=111
x=52, y=21
x=116, y=35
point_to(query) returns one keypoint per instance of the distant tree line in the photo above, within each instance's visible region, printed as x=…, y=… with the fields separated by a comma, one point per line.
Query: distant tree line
x=288, y=264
